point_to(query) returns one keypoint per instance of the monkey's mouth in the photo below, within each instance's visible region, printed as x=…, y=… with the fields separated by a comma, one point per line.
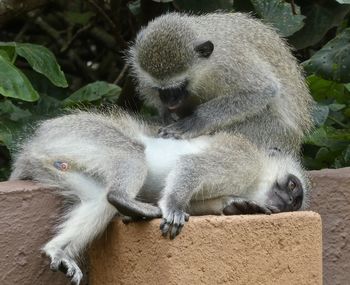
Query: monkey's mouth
x=175, y=107
x=173, y=97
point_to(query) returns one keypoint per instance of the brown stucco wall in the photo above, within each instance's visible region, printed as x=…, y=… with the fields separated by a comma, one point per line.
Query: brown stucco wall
x=27, y=215
x=28, y=211
x=277, y=249
x=331, y=198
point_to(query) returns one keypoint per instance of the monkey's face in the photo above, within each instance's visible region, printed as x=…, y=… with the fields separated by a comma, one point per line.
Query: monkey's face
x=164, y=58
x=174, y=92
x=283, y=183
x=286, y=194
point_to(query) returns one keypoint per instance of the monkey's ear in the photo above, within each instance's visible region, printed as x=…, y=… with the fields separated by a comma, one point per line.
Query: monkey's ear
x=204, y=49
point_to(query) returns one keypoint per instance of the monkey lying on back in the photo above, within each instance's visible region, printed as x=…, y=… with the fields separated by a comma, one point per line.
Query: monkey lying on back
x=94, y=158
x=222, y=71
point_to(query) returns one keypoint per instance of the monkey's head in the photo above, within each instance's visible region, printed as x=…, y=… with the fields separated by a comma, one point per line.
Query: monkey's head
x=283, y=183
x=165, y=55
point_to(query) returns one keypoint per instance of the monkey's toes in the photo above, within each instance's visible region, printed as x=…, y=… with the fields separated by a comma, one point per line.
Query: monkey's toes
x=173, y=223
x=60, y=261
x=242, y=206
x=168, y=133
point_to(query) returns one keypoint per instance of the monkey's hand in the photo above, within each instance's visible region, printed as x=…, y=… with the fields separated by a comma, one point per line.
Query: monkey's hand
x=185, y=128
x=173, y=222
x=242, y=206
x=62, y=262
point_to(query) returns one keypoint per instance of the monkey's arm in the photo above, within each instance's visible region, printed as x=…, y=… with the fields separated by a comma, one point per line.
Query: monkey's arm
x=226, y=110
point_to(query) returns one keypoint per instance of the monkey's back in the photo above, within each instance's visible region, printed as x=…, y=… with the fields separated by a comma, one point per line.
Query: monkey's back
x=82, y=140
x=241, y=42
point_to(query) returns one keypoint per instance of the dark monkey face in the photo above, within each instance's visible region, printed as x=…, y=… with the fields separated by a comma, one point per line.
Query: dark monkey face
x=287, y=195
x=174, y=97
x=177, y=96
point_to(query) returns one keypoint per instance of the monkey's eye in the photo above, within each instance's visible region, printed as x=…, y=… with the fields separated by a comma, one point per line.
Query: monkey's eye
x=291, y=185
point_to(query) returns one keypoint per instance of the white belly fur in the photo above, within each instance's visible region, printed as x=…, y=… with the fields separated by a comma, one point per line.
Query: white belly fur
x=162, y=154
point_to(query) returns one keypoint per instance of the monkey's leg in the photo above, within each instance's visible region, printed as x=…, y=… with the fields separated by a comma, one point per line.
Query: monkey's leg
x=187, y=178
x=82, y=224
x=128, y=178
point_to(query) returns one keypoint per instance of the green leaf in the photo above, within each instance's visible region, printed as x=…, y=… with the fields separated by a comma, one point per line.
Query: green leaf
x=243, y=6
x=43, y=61
x=134, y=7
x=335, y=107
x=14, y=84
x=78, y=18
x=324, y=155
x=347, y=86
x=280, y=15
x=9, y=50
x=330, y=137
x=12, y=111
x=320, y=114
x=93, y=92
x=347, y=154
x=323, y=90
x=321, y=16
x=332, y=62
x=204, y=6
x=5, y=55
x=9, y=131
x=343, y=1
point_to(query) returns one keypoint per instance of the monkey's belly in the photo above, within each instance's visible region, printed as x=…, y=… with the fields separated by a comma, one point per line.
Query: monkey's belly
x=162, y=156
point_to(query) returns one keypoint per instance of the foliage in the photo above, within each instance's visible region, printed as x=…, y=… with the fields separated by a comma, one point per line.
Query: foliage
x=70, y=53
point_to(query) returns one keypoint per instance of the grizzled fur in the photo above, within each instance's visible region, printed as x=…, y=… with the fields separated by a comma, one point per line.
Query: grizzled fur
x=116, y=164
x=250, y=84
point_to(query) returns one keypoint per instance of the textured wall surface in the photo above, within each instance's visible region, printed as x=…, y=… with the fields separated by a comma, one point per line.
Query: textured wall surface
x=277, y=249
x=27, y=215
x=331, y=198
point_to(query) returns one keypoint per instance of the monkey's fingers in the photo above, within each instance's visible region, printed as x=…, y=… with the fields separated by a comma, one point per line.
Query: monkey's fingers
x=182, y=129
x=165, y=225
x=274, y=209
x=173, y=223
x=242, y=206
x=168, y=134
x=179, y=222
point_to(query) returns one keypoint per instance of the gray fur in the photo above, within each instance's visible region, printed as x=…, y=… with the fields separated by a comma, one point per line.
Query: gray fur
x=250, y=84
x=118, y=158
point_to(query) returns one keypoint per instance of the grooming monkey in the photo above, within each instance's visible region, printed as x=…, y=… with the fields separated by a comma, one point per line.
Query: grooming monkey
x=222, y=71
x=94, y=158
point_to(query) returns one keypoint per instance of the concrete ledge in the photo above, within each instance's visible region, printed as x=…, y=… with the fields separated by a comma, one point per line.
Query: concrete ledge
x=331, y=198
x=277, y=249
x=27, y=216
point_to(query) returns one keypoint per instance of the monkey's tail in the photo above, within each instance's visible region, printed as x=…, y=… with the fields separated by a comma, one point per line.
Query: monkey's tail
x=86, y=218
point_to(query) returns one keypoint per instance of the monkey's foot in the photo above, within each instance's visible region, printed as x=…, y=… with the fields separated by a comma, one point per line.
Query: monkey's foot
x=241, y=206
x=62, y=262
x=173, y=223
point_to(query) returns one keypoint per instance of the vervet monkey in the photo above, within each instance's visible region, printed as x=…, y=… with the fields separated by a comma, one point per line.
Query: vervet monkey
x=222, y=71
x=109, y=164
